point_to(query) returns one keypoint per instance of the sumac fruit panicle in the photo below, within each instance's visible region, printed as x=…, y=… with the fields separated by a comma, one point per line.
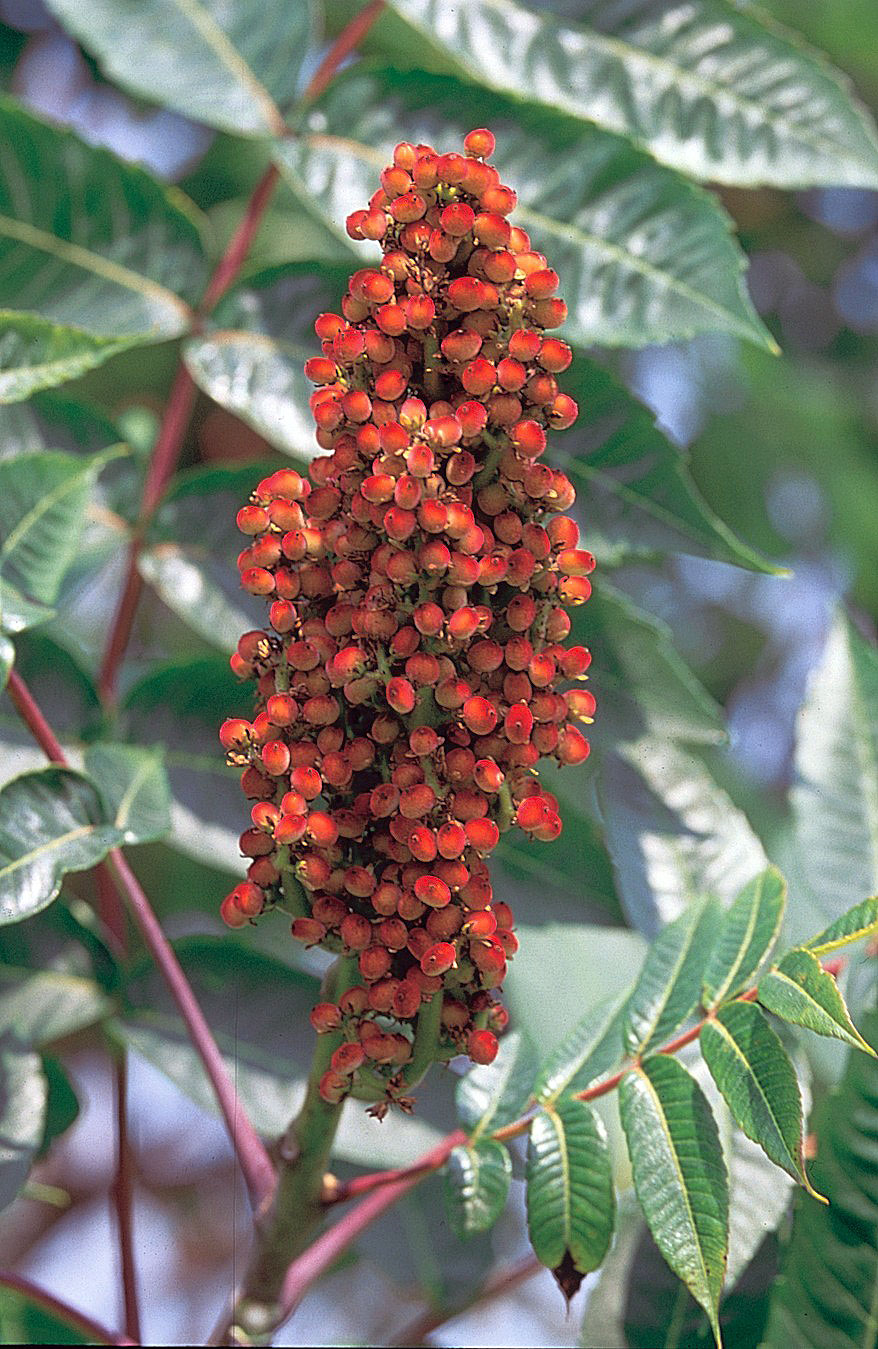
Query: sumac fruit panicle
x=409, y=678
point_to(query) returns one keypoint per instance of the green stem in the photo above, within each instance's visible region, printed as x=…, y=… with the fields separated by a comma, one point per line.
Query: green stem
x=426, y=1041
x=298, y=1208
x=432, y=367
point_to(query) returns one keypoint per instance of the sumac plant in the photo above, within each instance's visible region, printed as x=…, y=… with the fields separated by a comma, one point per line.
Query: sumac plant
x=400, y=665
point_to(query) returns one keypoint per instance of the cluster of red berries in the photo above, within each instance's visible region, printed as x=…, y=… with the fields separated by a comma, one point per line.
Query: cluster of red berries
x=408, y=681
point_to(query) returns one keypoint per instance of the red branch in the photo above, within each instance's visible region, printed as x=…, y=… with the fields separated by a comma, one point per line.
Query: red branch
x=324, y=1252
x=500, y=1282
x=96, y=1333
x=254, y=1160
x=181, y=399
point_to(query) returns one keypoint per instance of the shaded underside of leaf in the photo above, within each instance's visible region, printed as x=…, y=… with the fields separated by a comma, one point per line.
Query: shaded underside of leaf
x=477, y=1184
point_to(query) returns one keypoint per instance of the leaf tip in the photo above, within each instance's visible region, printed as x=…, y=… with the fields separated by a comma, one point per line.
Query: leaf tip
x=568, y=1277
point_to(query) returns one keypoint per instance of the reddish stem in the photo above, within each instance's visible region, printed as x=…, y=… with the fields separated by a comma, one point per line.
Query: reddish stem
x=347, y=40
x=502, y=1281
x=122, y=1195
x=181, y=399
x=320, y=1256
x=255, y=1162
x=27, y=708
x=97, y=1334
x=163, y=461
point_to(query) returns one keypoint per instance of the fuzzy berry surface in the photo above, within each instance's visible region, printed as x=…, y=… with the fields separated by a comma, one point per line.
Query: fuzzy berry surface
x=414, y=669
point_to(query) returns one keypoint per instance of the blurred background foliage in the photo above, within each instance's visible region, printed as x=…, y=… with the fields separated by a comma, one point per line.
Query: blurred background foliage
x=783, y=450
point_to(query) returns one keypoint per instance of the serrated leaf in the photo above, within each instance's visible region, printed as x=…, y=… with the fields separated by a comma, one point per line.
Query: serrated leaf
x=669, y=986
x=860, y=921
x=222, y=62
x=37, y=354
x=570, y=1198
x=643, y=255
x=252, y=364
x=835, y=797
x=477, y=1183
x=492, y=1095
x=711, y=90
x=37, y=1007
x=800, y=991
x=51, y=822
x=679, y=1174
x=587, y=1053
x=673, y=833
x=754, y=1074
x=43, y=500
x=748, y=932
x=23, y=1094
x=89, y=242
x=642, y=685
x=825, y=1297
x=134, y=787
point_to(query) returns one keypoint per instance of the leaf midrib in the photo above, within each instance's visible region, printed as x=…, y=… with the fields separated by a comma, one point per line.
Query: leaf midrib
x=696, y=1236
x=736, y=1049
x=65, y=249
x=218, y=41
x=36, y=513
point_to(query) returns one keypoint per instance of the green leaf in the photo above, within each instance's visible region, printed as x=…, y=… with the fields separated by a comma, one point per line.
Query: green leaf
x=748, y=932
x=644, y=256
x=587, y=1053
x=570, y=1198
x=7, y=656
x=494, y=1094
x=679, y=1174
x=252, y=364
x=37, y=1007
x=43, y=501
x=799, y=990
x=642, y=685
x=37, y=354
x=218, y=61
x=62, y=1104
x=642, y=500
x=860, y=921
x=835, y=798
x=477, y=1183
x=134, y=787
x=95, y=245
x=673, y=833
x=669, y=986
x=23, y=1095
x=29, y=1319
x=758, y=1083
x=710, y=90
x=190, y=560
x=825, y=1297
x=51, y=822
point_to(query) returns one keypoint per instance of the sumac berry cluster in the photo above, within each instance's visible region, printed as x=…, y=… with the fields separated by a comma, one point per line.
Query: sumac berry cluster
x=408, y=681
